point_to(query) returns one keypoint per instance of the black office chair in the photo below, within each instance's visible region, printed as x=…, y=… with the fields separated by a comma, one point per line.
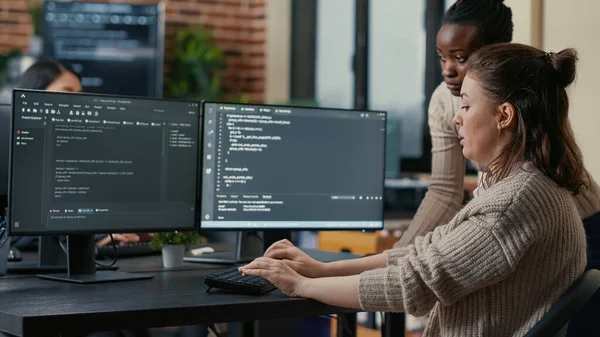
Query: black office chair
x=554, y=323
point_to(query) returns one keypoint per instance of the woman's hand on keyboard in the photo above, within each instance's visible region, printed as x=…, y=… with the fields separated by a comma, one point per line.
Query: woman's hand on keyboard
x=278, y=273
x=296, y=259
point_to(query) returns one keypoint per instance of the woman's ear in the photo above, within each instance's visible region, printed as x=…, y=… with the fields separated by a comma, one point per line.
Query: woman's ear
x=506, y=116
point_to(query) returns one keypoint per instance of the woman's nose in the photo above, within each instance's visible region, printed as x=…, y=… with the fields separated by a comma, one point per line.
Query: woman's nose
x=448, y=69
x=457, y=120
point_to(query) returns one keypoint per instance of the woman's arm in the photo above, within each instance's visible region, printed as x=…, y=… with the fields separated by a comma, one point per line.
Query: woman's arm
x=444, y=271
x=466, y=259
x=337, y=291
x=307, y=266
x=355, y=266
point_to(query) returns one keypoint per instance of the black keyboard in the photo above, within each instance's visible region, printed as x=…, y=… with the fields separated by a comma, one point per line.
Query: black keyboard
x=233, y=280
x=127, y=250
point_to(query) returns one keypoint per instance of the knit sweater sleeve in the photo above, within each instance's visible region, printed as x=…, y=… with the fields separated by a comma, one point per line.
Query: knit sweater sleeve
x=445, y=193
x=469, y=257
x=394, y=254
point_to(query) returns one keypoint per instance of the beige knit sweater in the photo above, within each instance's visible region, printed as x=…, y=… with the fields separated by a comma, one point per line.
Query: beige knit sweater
x=494, y=269
x=445, y=194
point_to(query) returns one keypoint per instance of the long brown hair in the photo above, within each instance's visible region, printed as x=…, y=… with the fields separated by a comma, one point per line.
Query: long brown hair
x=535, y=83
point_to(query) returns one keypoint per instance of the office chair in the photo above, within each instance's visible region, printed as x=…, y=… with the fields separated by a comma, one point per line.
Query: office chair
x=555, y=322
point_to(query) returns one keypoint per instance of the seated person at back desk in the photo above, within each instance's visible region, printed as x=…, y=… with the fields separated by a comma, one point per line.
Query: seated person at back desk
x=52, y=76
x=30, y=243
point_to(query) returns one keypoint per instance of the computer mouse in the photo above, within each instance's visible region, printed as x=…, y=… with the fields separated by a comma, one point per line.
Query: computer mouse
x=202, y=251
x=14, y=255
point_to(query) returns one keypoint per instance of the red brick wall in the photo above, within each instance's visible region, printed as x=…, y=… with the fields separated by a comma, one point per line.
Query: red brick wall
x=15, y=25
x=238, y=27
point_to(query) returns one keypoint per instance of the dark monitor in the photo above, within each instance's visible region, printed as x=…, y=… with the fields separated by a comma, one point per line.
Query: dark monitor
x=85, y=164
x=116, y=48
x=5, y=111
x=291, y=168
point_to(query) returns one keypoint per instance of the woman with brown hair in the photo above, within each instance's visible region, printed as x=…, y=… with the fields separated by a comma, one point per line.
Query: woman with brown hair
x=498, y=265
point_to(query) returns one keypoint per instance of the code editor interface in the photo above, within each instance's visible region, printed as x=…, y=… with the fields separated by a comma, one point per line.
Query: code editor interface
x=287, y=167
x=94, y=163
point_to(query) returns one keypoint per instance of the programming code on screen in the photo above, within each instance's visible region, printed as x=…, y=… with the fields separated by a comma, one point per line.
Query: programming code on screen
x=115, y=47
x=93, y=163
x=272, y=167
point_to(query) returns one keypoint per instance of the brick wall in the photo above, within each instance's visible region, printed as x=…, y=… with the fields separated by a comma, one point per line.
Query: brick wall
x=15, y=25
x=238, y=27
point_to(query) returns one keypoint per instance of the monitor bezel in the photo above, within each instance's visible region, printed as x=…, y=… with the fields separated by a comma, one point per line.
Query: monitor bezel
x=10, y=227
x=4, y=194
x=234, y=229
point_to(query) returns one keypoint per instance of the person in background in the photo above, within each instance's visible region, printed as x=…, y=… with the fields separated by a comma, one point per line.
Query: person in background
x=498, y=265
x=50, y=76
x=467, y=26
x=53, y=76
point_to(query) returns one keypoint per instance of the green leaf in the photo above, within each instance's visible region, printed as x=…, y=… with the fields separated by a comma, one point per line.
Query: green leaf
x=196, y=66
x=176, y=238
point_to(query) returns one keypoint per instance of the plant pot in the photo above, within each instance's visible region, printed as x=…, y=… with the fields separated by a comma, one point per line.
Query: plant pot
x=173, y=255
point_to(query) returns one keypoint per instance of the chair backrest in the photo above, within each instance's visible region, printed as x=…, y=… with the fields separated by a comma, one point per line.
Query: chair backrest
x=567, y=306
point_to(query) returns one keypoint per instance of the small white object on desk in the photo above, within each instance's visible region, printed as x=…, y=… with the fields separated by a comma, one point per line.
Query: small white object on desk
x=202, y=251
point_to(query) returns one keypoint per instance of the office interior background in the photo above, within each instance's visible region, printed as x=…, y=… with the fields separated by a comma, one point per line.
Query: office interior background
x=377, y=54
x=303, y=52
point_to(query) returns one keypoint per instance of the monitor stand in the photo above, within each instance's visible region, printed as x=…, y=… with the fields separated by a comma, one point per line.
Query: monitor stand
x=247, y=247
x=81, y=267
x=51, y=259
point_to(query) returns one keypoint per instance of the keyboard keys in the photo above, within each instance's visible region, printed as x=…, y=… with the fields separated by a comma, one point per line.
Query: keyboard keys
x=232, y=280
x=126, y=250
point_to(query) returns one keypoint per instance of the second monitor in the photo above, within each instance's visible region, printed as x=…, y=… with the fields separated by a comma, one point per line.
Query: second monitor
x=291, y=168
x=86, y=164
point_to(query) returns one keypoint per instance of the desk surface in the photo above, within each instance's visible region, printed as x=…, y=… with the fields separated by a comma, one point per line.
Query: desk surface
x=32, y=306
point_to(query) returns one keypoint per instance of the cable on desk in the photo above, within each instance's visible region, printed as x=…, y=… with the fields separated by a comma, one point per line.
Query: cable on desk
x=62, y=245
x=342, y=319
x=114, y=244
x=216, y=331
x=64, y=248
x=3, y=233
x=112, y=240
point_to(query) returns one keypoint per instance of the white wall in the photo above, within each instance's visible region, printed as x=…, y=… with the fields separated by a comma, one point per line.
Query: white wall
x=334, y=80
x=575, y=23
x=278, y=51
x=522, y=11
x=397, y=68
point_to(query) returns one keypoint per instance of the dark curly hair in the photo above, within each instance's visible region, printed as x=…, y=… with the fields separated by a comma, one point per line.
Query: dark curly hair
x=41, y=74
x=492, y=18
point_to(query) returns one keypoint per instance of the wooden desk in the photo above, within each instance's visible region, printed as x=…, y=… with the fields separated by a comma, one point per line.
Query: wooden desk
x=32, y=306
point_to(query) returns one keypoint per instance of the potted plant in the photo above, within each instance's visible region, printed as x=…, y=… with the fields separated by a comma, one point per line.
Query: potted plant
x=197, y=69
x=173, y=246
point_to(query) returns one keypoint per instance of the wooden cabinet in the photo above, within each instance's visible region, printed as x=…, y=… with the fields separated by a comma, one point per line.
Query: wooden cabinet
x=356, y=242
